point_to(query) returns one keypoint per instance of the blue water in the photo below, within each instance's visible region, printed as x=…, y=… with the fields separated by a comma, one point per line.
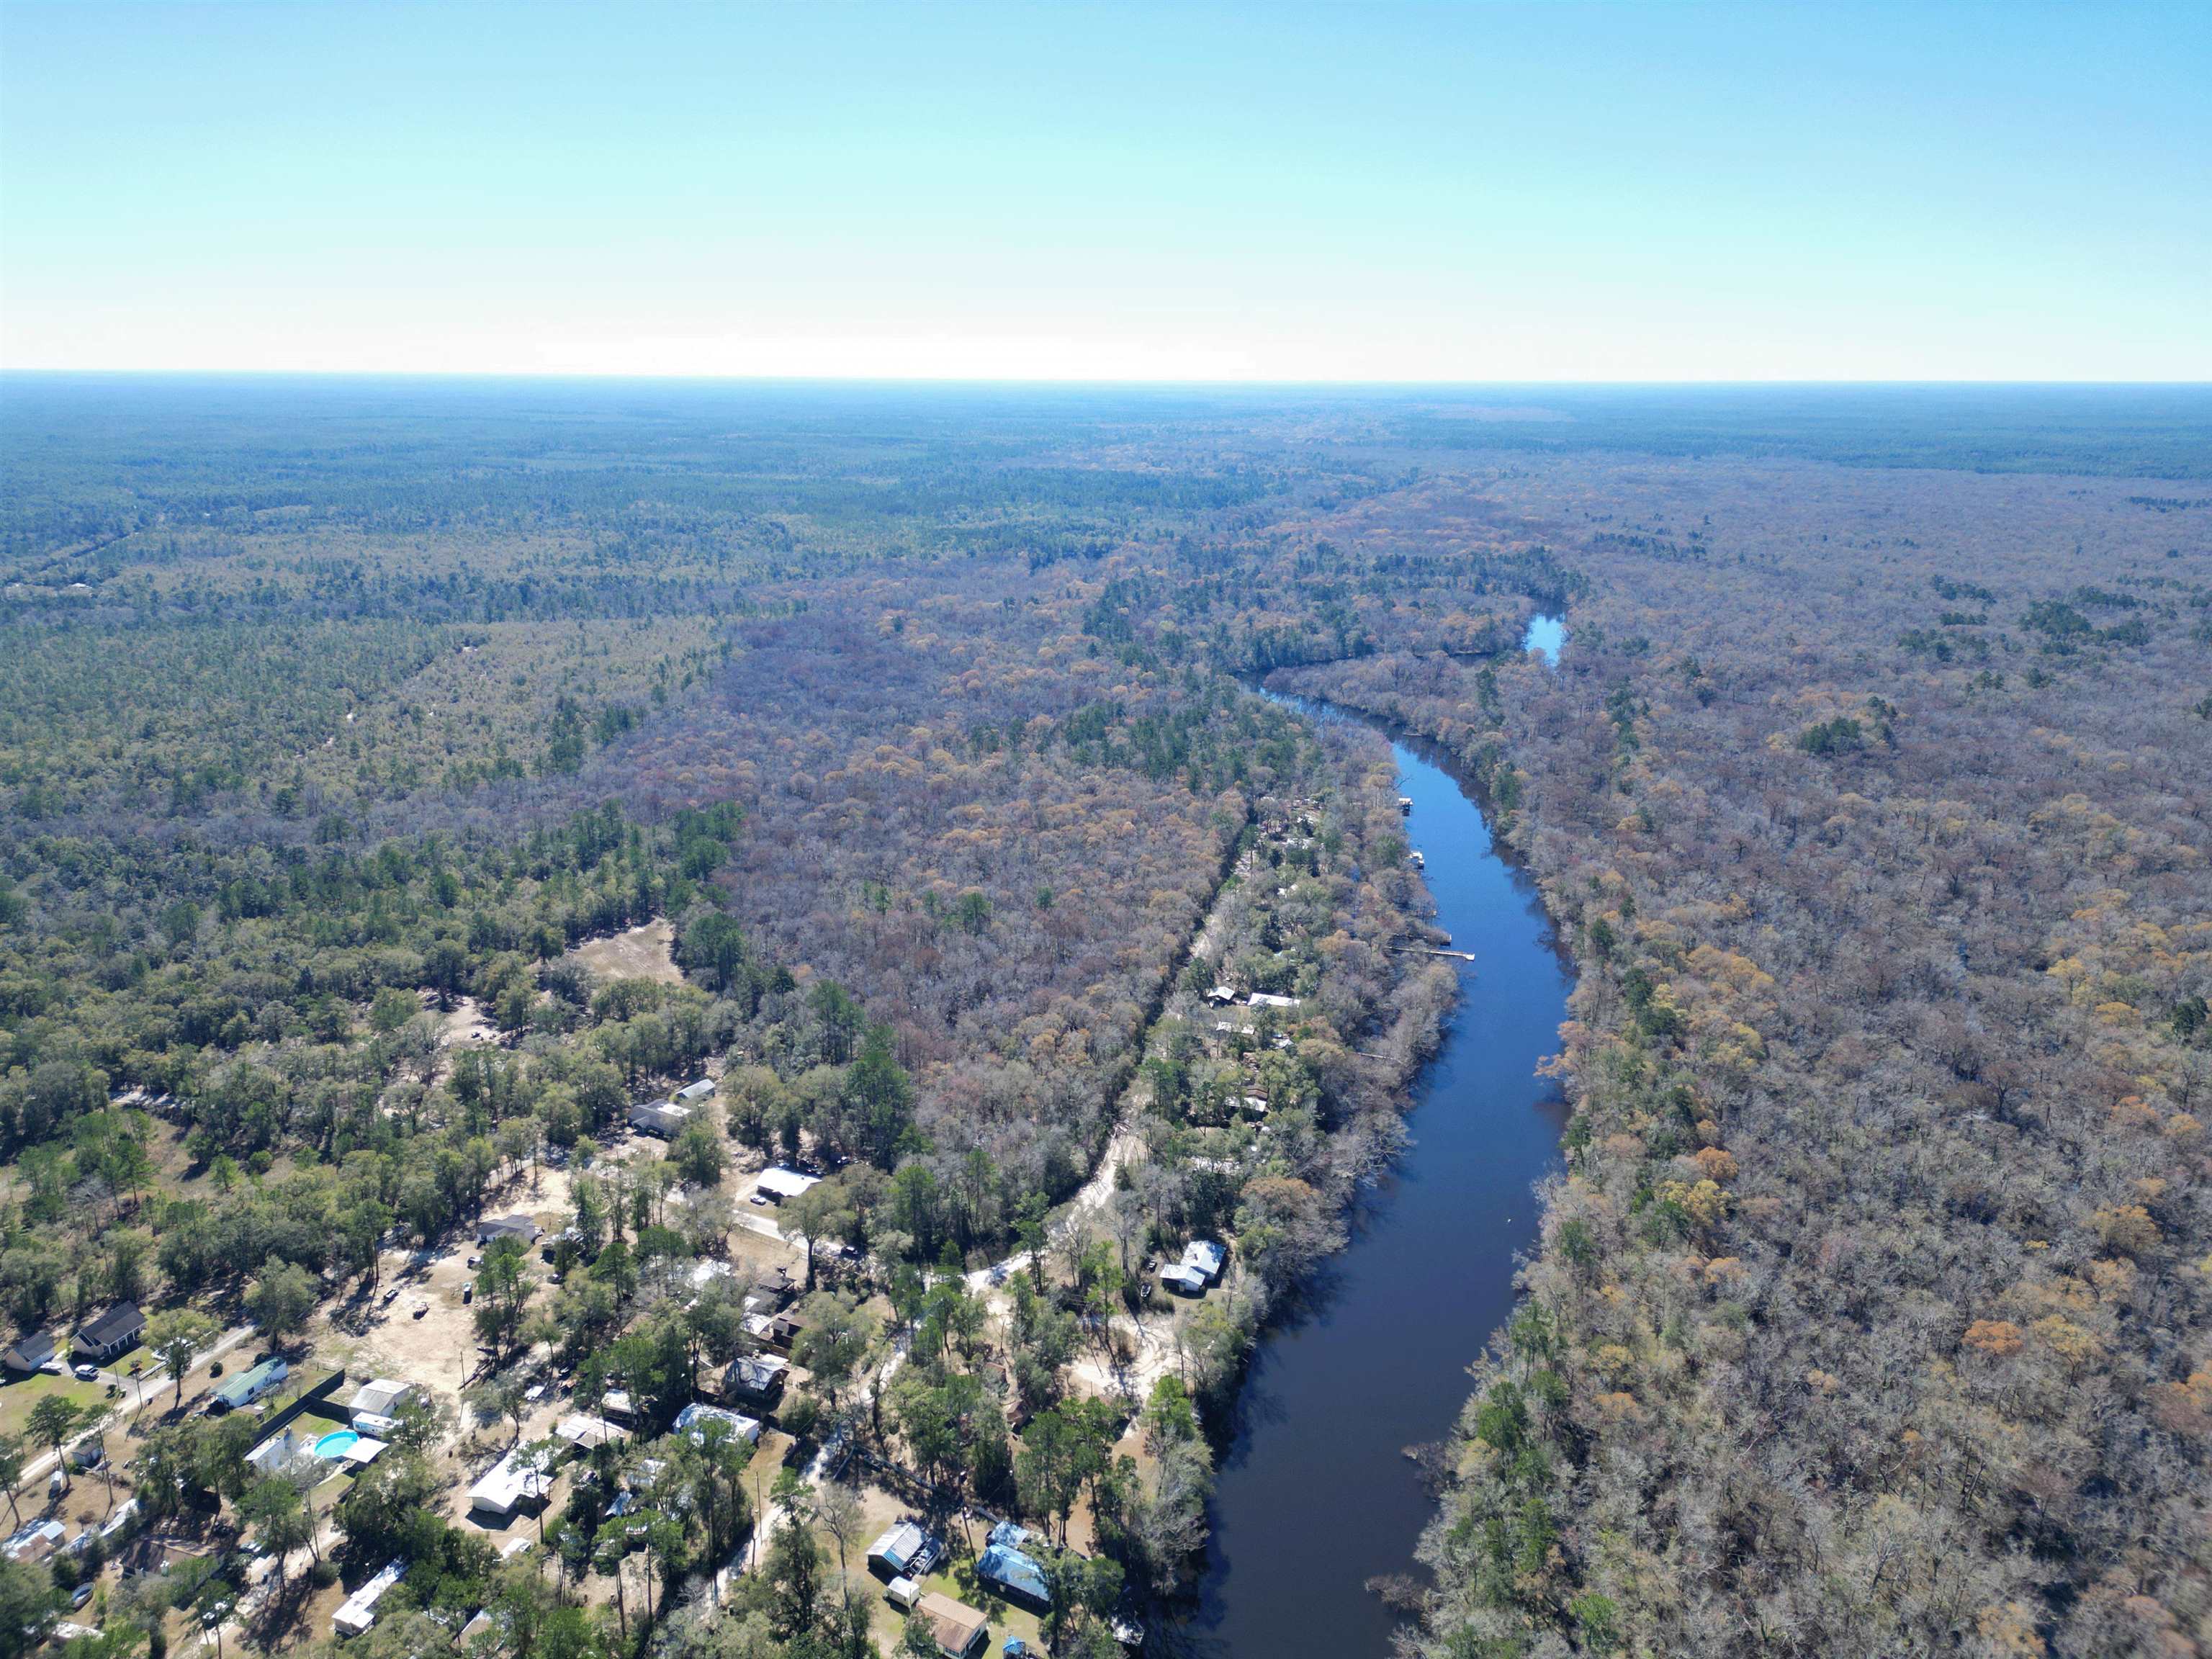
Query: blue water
x=336, y=1443
x=1316, y=1496
x=1547, y=634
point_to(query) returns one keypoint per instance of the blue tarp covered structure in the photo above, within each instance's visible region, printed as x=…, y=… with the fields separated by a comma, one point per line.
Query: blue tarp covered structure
x=1014, y=1575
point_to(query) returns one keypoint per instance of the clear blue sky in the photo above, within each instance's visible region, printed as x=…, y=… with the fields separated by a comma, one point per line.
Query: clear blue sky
x=1289, y=192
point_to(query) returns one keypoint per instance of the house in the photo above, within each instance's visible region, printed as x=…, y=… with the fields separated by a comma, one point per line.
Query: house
x=777, y=1183
x=1183, y=1280
x=587, y=1432
x=375, y=1408
x=30, y=1353
x=756, y=1378
x=663, y=1118
x=1205, y=1258
x=785, y=1328
x=519, y=1227
x=240, y=1391
x=516, y=1481
x=694, y=1418
x=115, y=1332
x=359, y=1612
x=1222, y=996
x=692, y=1093
x=615, y=1403
x=33, y=1541
x=905, y=1551
x=1014, y=1575
x=959, y=1629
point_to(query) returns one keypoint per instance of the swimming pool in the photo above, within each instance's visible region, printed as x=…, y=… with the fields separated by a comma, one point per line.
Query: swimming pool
x=336, y=1443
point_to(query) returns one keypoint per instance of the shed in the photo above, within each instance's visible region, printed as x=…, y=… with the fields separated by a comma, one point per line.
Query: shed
x=29, y=1353
x=960, y=1630
x=692, y=1093
x=114, y=1332
x=375, y=1404
x=1269, y=1000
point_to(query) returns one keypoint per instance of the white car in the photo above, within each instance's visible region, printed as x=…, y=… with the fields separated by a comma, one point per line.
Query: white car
x=86, y=1373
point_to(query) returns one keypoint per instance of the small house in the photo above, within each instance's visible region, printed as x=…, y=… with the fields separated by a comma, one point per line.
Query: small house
x=905, y=1551
x=518, y=1227
x=756, y=1378
x=1222, y=996
x=1205, y=1258
x=777, y=1183
x=663, y=1118
x=692, y=1093
x=359, y=1612
x=692, y=1420
x=516, y=1481
x=1183, y=1280
x=959, y=1629
x=242, y=1391
x=1015, y=1576
x=33, y=1541
x=114, y=1333
x=29, y=1354
x=587, y=1432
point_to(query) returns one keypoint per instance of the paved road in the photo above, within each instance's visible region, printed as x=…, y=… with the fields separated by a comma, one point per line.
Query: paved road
x=137, y=1394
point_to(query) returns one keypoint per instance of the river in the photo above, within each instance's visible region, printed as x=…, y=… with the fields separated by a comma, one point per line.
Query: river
x=1316, y=1496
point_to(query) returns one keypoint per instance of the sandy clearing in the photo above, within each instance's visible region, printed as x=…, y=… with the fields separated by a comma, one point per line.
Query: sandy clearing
x=643, y=952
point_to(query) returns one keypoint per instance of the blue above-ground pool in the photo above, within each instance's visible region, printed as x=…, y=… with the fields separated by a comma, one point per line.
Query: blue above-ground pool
x=336, y=1443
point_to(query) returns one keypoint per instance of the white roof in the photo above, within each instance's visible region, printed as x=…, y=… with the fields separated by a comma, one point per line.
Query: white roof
x=515, y=1478
x=363, y=1451
x=1269, y=1000
x=1204, y=1256
x=785, y=1183
x=377, y=1396
x=582, y=1429
x=706, y=1270
x=741, y=1427
x=359, y=1612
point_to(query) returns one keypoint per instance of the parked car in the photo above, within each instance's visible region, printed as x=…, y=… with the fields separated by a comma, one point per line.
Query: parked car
x=80, y=1594
x=86, y=1373
x=419, y=1310
x=468, y=1293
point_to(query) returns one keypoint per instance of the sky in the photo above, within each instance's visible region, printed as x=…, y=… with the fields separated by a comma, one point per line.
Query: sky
x=1366, y=193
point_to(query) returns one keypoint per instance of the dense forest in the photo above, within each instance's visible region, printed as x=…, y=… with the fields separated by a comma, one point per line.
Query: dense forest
x=343, y=726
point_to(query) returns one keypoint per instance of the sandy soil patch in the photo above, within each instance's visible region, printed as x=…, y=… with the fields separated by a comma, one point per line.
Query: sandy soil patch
x=646, y=952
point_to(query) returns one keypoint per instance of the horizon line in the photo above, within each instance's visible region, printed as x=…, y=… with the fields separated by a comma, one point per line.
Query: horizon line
x=610, y=377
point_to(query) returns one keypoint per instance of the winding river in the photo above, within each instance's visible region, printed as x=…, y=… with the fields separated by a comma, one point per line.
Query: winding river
x=1316, y=1495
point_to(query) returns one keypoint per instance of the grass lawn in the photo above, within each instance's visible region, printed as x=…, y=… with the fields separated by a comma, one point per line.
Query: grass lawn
x=16, y=1399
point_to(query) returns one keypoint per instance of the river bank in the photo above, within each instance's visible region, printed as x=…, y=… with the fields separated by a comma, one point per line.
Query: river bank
x=1315, y=1499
